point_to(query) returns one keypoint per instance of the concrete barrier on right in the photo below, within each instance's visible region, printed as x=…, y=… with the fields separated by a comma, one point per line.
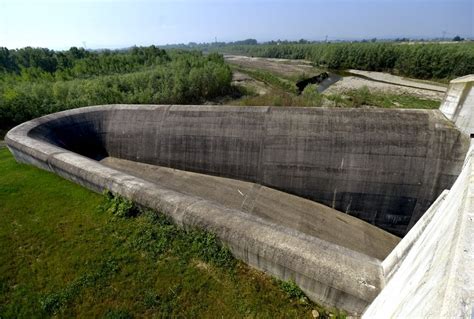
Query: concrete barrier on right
x=431, y=271
x=458, y=104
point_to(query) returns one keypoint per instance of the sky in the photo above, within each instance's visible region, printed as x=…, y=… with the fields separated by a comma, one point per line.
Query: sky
x=60, y=24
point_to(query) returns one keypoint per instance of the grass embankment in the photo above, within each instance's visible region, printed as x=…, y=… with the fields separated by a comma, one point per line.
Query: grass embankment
x=69, y=252
x=364, y=96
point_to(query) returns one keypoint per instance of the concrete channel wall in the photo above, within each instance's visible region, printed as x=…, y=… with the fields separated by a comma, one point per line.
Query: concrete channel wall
x=430, y=274
x=383, y=166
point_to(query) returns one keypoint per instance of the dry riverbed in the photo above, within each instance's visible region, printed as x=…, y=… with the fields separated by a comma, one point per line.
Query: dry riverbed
x=282, y=67
x=289, y=71
x=349, y=83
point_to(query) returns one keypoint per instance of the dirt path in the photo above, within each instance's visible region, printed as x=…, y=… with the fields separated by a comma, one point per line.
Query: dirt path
x=282, y=67
x=351, y=83
x=246, y=81
x=395, y=79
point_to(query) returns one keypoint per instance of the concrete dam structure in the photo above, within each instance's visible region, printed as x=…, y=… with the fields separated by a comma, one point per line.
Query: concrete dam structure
x=310, y=194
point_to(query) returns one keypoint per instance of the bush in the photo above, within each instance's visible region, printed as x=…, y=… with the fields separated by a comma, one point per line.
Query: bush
x=360, y=97
x=427, y=61
x=118, y=206
x=141, y=76
x=292, y=290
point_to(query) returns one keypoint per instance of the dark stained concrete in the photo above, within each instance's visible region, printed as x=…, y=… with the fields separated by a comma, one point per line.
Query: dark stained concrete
x=383, y=166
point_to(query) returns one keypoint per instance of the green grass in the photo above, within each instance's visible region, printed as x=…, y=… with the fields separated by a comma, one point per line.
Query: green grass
x=363, y=96
x=269, y=78
x=68, y=252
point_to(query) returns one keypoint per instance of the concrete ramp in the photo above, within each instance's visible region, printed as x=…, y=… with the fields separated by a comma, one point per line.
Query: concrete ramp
x=278, y=207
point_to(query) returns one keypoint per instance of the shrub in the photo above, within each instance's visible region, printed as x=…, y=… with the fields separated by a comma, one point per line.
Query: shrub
x=141, y=75
x=118, y=206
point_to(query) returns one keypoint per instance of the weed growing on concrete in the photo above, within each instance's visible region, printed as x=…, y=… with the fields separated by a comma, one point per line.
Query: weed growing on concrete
x=118, y=206
x=294, y=293
x=292, y=290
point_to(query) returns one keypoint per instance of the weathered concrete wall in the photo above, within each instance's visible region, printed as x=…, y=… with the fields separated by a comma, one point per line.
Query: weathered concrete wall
x=430, y=273
x=383, y=166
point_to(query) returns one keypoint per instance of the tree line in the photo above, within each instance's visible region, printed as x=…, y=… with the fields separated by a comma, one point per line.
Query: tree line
x=36, y=81
x=423, y=61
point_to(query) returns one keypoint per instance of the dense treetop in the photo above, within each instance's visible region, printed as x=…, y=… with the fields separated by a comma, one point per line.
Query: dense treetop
x=424, y=61
x=36, y=81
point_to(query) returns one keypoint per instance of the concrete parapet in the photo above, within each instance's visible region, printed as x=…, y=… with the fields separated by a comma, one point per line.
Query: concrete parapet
x=458, y=104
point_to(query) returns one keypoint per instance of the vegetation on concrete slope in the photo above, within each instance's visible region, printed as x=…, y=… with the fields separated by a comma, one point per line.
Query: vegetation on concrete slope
x=34, y=82
x=68, y=252
x=423, y=61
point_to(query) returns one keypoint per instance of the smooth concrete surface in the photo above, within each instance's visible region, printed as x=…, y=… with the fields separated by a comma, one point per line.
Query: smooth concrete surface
x=430, y=274
x=284, y=209
x=458, y=104
x=383, y=166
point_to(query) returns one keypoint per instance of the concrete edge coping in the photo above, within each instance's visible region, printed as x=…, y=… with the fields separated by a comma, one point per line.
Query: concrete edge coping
x=392, y=261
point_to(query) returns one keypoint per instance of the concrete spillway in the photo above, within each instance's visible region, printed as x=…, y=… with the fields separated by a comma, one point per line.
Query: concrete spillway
x=383, y=166
x=293, y=191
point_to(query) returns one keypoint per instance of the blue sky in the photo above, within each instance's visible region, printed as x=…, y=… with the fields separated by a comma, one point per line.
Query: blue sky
x=60, y=24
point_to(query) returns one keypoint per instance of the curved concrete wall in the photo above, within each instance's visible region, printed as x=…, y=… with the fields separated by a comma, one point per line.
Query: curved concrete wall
x=383, y=166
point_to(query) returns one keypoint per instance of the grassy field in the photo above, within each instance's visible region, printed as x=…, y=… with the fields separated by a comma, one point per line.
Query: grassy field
x=68, y=252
